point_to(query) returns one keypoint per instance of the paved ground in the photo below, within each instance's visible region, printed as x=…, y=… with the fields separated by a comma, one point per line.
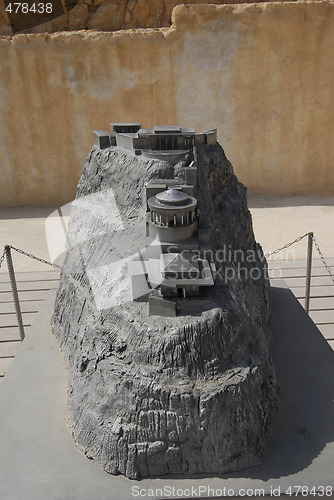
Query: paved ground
x=33, y=229
x=39, y=459
x=276, y=221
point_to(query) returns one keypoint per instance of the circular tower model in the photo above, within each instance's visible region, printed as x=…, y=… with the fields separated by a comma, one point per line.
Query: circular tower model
x=173, y=216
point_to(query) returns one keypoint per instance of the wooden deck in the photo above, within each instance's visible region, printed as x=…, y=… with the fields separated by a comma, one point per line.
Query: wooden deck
x=322, y=290
x=33, y=287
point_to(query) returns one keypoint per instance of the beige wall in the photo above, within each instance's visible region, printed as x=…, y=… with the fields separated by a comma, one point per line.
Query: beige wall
x=111, y=15
x=261, y=73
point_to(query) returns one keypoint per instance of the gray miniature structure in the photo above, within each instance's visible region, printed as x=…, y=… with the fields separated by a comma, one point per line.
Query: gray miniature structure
x=172, y=218
x=168, y=360
x=174, y=265
x=173, y=140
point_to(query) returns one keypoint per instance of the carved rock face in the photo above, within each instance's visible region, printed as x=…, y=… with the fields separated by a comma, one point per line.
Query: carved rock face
x=149, y=395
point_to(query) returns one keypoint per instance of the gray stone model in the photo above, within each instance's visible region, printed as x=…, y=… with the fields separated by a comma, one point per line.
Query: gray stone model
x=163, y=309
x=149, y=141
x=173, y=268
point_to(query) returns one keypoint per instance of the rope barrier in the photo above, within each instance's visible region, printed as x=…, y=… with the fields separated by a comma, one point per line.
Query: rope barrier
x=7, y=254
x=18, y=250
x=287, y=245
x=2, y=258
x=323, y=260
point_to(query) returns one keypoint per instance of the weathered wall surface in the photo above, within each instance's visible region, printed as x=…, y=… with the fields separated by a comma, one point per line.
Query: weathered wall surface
x=261, y=73
x=111, y=15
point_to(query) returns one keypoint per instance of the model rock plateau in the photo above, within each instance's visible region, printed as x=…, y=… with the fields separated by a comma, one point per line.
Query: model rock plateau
x=150, y=394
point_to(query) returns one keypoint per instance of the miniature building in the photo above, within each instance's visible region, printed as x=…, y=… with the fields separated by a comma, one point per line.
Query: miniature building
x=174, y=141
x=101, y=139
x=139, y=285
x=124, y=128
x=172, y=268
x=172, y=216
x=178, y=270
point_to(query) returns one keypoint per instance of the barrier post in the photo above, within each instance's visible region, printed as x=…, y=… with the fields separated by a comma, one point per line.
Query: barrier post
x=308, y=271
x=14, y=291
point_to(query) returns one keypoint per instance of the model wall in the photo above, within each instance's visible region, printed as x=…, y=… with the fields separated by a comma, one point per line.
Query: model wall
x=261, y=73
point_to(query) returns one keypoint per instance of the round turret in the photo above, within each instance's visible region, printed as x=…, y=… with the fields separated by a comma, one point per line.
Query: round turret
x=173, y=197
x=173, y=213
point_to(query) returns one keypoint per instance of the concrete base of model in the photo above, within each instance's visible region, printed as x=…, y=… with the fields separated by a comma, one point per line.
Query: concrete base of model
x=38, y=458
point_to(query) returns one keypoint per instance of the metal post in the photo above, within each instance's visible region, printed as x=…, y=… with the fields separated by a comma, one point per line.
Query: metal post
x=14, y=291
x=308, y=272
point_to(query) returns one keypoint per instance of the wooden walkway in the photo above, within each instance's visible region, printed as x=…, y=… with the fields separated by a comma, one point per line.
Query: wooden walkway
x=33, y=287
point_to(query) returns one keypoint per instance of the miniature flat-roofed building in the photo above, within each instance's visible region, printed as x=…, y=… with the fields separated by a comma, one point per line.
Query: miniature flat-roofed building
x=168, y=138
x=124, y=128
x=167, y=129
x=139, y=285
x=101, y=139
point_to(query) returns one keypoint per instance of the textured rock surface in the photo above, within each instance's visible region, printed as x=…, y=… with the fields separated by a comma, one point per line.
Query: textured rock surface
x=246, y=68
x=110, y=15
x=151, y=395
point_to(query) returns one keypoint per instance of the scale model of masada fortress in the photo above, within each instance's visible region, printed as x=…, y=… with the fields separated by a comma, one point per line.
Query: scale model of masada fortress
x=168, y=362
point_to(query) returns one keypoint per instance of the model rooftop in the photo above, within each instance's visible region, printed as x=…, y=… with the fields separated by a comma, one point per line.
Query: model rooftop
x=172, y=197
x=159, y=138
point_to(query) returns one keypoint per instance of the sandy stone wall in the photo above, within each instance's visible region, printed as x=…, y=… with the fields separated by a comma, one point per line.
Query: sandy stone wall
x=262, y=74
x=111, y=15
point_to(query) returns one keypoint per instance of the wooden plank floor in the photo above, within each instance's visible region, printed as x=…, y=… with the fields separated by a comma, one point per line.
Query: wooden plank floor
x=322, y=290
x=33, y=287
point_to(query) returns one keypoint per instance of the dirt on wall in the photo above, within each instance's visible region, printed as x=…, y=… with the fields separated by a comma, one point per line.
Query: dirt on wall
x=262, y=74
x=111, y=15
